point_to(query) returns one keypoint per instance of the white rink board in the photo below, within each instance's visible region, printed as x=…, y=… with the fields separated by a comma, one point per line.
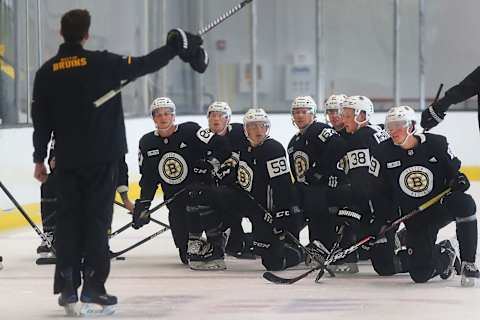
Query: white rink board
x=16, y=167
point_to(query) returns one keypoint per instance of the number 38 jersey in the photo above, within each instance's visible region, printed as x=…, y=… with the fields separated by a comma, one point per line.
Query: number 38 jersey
x=263, y=171
x=168, y=161
x=418, y=174
x=359, y=163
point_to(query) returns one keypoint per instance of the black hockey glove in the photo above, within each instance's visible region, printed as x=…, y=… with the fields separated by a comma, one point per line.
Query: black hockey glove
x=141, y=216
x=348, y=218
x=202, y=172
x=314, y=177
x=227, y=173
x=184, y=43
x=431, y=117
x=460, y=183
x=282, y=221
x=199, y=60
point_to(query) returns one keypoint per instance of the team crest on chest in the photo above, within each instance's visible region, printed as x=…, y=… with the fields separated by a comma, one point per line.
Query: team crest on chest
x=301, y=164
x=245, y=176
x=173, y=168
x=416, y=181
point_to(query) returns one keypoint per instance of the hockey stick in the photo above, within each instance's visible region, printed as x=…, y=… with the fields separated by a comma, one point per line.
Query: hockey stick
x=438, y=93
x=128, y=212
x=112, y=93
x=223, y=17
x=280, y=280
x=119, y=253
x=336, y=255
x=315, y=256
x=29, y=220
x=158, y=206
x=436, y=99
x=340, y=254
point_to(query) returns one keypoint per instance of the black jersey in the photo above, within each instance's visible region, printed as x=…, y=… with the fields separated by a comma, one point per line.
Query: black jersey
x=263, y=171
x=317, y=146
x=236, y=137
x=63, y=93
x=418, y=174
x=168, y=161
x=358, y=161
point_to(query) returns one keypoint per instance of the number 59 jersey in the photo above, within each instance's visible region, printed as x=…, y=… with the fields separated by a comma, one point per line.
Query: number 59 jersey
x=264, y=172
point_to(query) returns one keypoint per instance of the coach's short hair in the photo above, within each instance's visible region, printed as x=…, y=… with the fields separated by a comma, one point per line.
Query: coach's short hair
x=75, y=24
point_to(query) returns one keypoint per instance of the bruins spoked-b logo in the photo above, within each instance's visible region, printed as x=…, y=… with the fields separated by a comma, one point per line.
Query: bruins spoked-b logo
x=245, y=176
x=416, y=181
x=173, y=168
x=300, y=161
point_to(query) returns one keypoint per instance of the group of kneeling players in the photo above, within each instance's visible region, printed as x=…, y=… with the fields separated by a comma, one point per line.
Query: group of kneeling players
x=347, y=172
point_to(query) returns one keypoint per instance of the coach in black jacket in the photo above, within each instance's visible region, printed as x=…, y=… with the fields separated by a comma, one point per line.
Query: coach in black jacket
x=89, y=143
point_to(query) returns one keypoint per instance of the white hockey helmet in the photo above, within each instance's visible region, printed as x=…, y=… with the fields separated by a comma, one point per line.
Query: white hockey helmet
x=220, y=106
x=162, y=102
x=304, y=102
x=359, y=104
x=401, y=116
x=333, y=102
x=256, y=115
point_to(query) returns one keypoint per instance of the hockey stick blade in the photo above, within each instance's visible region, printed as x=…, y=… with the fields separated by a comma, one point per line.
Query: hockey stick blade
x=273, y=278
x=45, y=261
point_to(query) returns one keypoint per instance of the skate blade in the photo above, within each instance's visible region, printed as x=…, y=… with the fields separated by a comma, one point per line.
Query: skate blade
x=467, y=282
x=96, y=310
x=43, y=255
x=71, y=310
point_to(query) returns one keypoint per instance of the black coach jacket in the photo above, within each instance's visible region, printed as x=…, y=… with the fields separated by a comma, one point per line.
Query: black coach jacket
x=65, y=88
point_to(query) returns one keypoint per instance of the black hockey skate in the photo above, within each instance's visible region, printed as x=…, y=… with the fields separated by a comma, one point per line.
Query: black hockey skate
x=469, y=274
x=95, y=300
x=68, y=300
x=68, y=297
x=95, y=304
x=454, y=263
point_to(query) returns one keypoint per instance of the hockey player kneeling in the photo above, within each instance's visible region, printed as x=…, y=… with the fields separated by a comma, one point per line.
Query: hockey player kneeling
x=172, y=156
x=264, y=173
x=417, y=167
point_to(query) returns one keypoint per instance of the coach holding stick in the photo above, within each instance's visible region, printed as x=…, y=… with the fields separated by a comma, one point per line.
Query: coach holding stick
x=89, y=143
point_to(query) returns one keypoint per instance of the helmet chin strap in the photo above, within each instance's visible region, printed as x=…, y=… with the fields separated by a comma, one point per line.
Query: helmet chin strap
x=224, y=130
x=360, y=122
x=409, y=133
x=253, y=142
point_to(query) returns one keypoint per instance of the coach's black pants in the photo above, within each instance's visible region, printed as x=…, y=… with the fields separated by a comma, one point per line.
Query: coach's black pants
x=85, y=197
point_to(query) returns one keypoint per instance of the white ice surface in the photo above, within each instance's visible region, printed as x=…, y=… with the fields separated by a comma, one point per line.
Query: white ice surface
x=152, y=284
